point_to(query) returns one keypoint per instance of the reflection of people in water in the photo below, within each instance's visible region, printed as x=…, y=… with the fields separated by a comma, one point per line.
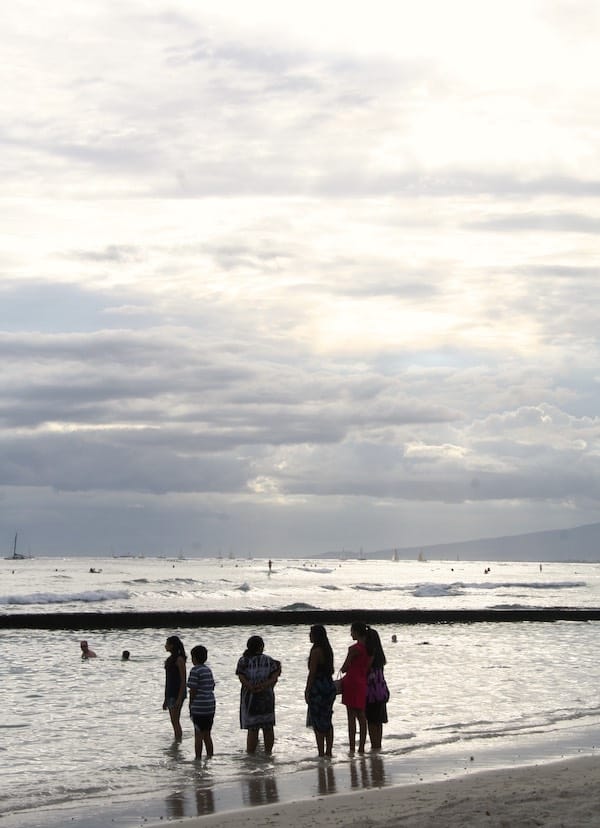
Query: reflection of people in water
x=260, y=790
x=368, y=772
x=326, y=779
x=85, y=650
x=205, y=801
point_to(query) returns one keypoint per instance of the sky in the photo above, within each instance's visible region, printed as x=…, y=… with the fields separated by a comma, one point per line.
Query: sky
x=280, y=279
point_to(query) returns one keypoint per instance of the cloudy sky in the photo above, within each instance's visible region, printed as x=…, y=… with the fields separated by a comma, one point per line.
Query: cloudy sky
x=285, y=278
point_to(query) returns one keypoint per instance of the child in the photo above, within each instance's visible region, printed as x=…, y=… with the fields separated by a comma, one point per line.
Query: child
x=202, y=700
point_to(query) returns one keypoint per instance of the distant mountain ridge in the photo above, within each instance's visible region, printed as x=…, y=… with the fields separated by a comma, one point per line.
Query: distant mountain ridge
x=582, y=543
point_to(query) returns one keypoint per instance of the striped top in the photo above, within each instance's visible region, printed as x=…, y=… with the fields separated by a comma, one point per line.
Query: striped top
x=202, y=696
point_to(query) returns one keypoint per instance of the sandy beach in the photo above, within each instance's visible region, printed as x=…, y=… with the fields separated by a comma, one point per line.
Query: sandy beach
x=565, y=794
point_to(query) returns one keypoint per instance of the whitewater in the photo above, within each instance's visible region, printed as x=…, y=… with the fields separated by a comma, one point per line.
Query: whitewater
x=88, y=741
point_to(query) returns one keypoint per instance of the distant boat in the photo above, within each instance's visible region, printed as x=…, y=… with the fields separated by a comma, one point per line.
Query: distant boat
x=16, y=556
x=421, y=556
x=395, y=555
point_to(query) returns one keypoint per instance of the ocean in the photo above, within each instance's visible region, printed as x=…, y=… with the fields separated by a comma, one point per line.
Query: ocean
x=87, y=743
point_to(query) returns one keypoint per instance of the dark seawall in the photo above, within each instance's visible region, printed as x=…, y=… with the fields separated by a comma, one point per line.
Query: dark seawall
x=258, y=618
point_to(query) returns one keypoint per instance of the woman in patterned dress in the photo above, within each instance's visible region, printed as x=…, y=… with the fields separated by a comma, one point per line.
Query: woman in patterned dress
x=320, y=689
x=258, y=674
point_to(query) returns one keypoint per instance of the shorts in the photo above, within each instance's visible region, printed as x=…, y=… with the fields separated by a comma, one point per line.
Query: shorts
x=203, y=723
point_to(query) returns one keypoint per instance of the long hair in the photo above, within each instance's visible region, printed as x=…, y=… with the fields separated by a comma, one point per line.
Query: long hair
x=375, y=649
x=177, y=649
x=320, y=639
x=359, y=628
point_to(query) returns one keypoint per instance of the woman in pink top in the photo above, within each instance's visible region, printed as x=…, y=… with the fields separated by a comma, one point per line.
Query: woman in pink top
x=354, y=685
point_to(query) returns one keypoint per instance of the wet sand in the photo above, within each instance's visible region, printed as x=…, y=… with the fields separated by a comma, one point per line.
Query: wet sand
x=562, y=794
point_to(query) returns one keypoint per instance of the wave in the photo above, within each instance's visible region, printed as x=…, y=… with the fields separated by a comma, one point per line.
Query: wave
x=524, y=585
x=459, y=587
x=299, y=607
x=89, y=597
x=436, y=590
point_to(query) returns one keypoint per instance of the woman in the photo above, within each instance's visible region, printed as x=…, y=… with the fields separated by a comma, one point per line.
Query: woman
x=175, y=685
x=258, y=674
x=354, y=685
x=377, y=690
x=320, y=689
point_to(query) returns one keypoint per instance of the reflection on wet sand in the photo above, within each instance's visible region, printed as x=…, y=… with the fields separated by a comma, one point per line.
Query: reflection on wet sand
x=368, y=772
x=260, y=790
x=175, y=805
x=205, y=801
x=326, y=778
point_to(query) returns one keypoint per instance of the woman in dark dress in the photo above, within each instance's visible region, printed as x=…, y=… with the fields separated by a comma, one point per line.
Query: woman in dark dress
x=377, y=690
x=175, y=682
x=320, y=689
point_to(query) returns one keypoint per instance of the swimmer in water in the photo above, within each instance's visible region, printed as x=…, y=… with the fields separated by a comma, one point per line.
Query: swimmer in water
x=85, y=650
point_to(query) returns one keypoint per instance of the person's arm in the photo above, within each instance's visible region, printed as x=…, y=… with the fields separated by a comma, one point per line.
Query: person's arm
x=181, y=668
x=313, y=663
x=192, y=687
x=192, y=697
x=349, y=658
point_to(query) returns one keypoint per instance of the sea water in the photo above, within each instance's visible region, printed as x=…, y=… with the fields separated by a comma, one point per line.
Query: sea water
x=464, y=696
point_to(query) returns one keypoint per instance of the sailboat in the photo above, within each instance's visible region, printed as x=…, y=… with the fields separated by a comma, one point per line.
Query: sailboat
x=16, y=556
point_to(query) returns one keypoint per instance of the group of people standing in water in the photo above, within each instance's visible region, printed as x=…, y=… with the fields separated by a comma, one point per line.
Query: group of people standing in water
x=361, y=683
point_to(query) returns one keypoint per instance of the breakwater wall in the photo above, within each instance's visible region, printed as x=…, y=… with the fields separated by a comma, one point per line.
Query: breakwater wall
x=262, y=618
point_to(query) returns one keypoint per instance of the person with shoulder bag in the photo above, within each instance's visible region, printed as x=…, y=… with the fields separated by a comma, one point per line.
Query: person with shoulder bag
x=378, y=693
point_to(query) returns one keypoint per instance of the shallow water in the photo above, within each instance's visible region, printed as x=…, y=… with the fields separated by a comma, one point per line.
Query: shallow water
x=79, y=731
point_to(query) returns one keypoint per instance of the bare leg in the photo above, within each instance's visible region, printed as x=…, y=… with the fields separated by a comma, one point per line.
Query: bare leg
x=329, y=741
x=351, y=729
x=198, y=743
x=269, y=737
x=174, y=713
x=362, y=733
x=251, y=741
x=375, y=735
x=207, y=739
x=320, y=737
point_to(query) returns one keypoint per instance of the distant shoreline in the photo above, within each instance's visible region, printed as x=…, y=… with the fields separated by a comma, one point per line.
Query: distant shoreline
x=303, y=616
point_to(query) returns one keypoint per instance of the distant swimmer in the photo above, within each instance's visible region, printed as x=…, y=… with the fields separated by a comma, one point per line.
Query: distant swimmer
x=125, y=655
x=85, y=650
x=270, y=565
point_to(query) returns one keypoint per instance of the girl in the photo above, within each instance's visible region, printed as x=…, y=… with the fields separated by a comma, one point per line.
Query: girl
x=354, y=685
x=175, y=674
x=320, y=689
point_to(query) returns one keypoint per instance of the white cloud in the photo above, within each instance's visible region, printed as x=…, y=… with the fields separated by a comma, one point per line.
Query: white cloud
x=310, y=272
